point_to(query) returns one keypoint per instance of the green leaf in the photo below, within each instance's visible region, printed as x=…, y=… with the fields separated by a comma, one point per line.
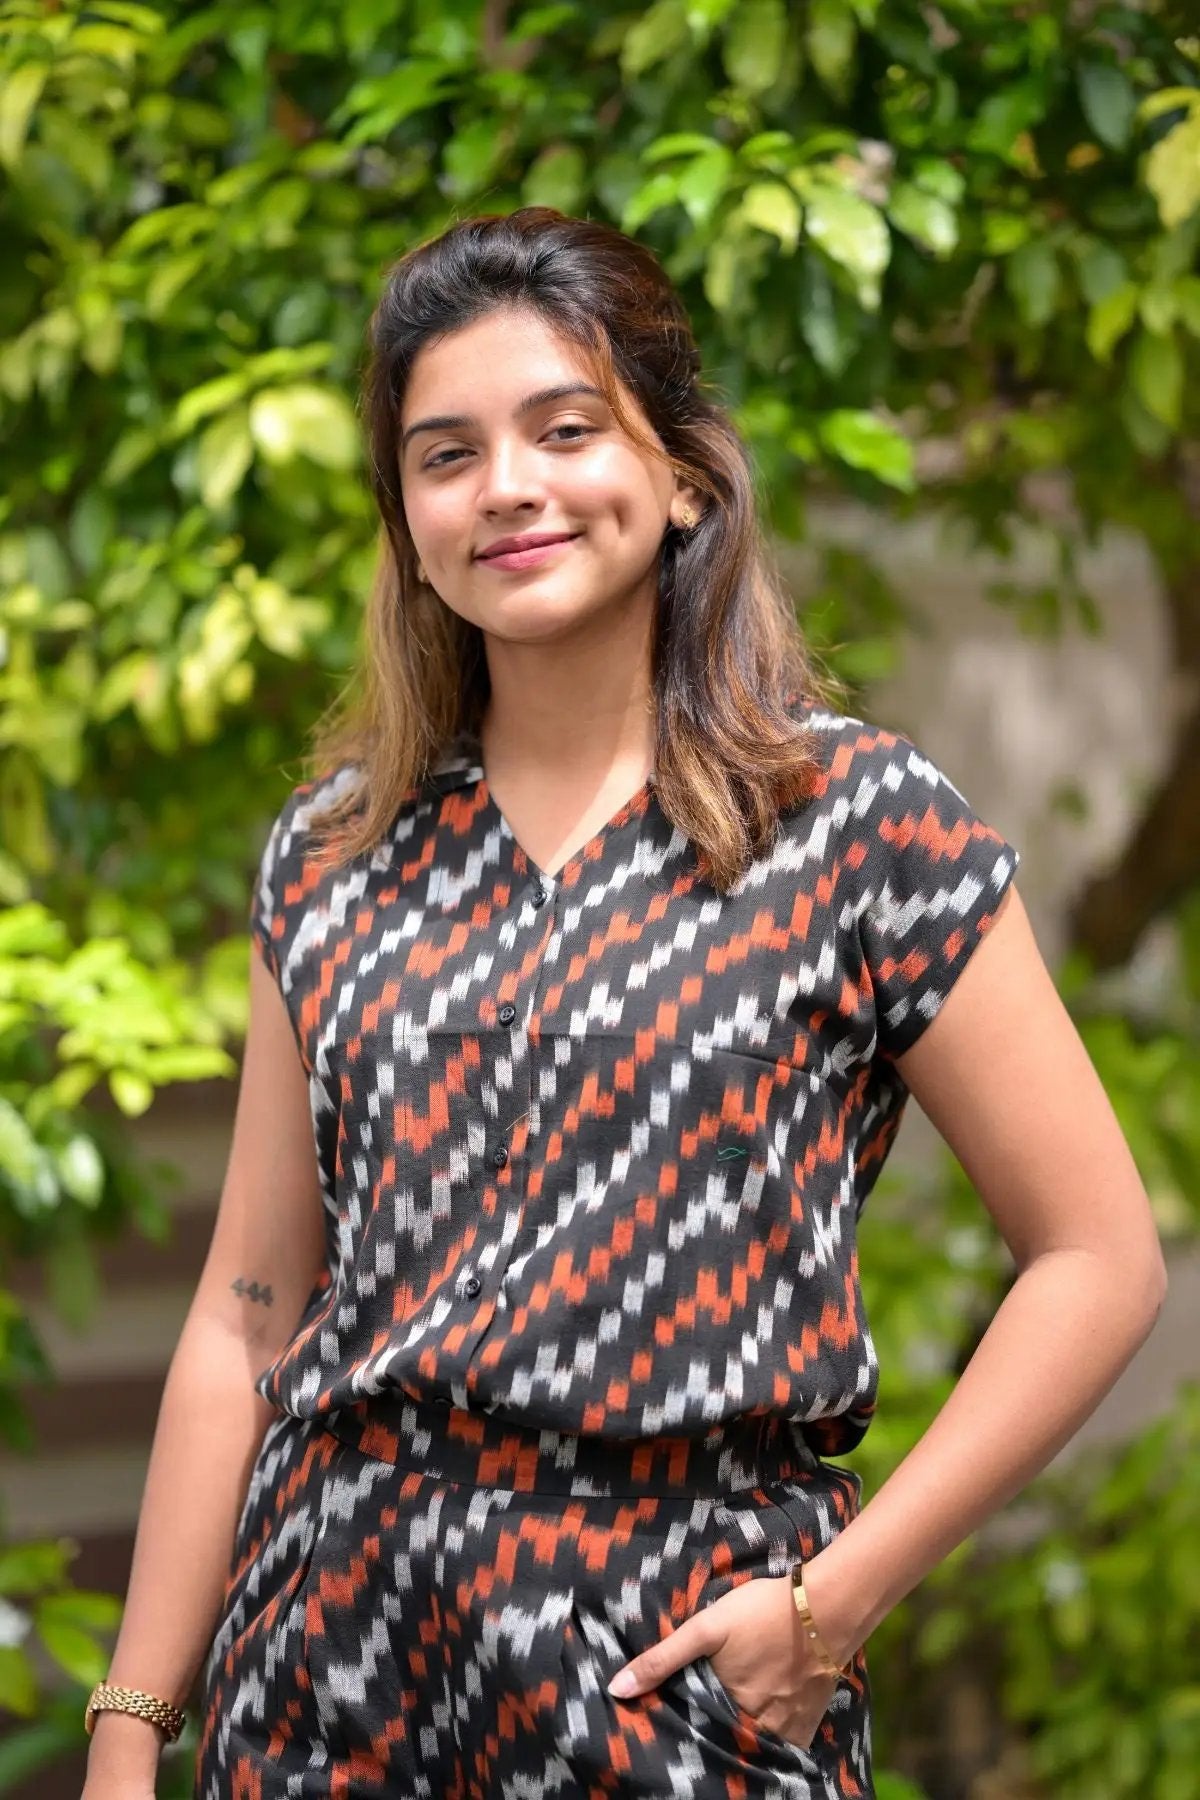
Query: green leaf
x=866, y=442
x=922, y=216
x=25, y=1164
x=380, y=103
x=661, y=190
x=18, y=1688
x=81, y=1170
x=754, y=44
x=1168, y=99
x=471, y=156
x=724, y=272
x=169, y=278
x=557, y=178
x=852, y=233
x=90, y=1608
x=210, y=397
x=703, y=182
x=1005, y=115
x=305, y=420
x=1004, y=232
x=32, y=1567
x=132, y=1093
x=1032, y=277
x=1187, y=302
x=19, y=94
x=1109, y=320
x=937, y=176
x=823, y=322
x=897, y=1787
x=1173, y=172
x=653, y=37
x=772, y=207
x=1157, y=306
x=1102, y=270
x=223, y=457
x=82, y=1656
x=1108, y=102
x=679, y=143
x=832, y=36
x=1156, y=372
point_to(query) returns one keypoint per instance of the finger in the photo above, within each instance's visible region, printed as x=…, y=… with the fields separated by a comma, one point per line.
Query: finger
x=695, y=1637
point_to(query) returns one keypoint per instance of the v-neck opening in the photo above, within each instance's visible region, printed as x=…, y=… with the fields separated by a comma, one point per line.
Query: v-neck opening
x=598, y=837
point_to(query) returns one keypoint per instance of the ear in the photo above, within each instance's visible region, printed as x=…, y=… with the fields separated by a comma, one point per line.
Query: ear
x=685, y=496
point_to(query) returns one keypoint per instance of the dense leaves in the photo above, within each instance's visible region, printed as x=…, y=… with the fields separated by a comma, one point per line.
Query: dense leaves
x=933, y=254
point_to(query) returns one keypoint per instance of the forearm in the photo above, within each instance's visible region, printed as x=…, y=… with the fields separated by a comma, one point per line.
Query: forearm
x=1062, y=1334
x=210, y=1425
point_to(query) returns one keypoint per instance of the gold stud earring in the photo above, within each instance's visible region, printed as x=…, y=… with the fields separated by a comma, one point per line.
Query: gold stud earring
x=688, y=518
x=422, y=577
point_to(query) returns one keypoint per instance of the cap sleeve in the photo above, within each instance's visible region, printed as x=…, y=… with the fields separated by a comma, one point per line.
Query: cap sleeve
x=268, y=898
x=932, y=876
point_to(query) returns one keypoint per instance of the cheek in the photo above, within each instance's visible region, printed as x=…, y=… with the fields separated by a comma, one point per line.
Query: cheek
x=614, y=491
x=437, y=521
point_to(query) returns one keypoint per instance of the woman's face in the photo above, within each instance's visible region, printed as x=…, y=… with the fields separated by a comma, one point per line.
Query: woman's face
x=488, y=453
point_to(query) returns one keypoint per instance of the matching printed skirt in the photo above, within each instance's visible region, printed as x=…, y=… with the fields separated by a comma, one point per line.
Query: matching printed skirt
x=428, y=1604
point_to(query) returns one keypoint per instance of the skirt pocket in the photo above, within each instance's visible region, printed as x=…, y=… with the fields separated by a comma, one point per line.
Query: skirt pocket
x=755, y=1738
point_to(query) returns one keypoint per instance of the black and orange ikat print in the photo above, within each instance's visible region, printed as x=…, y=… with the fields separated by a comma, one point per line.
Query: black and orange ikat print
x=593, y=1147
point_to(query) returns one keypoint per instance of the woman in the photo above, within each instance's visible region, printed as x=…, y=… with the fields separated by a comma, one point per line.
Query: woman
x=595, y=968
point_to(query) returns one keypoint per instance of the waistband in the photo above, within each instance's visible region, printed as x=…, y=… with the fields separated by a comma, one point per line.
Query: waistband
x=457, y=1444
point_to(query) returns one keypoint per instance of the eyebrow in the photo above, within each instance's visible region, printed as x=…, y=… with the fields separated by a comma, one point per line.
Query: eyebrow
x=542, y=397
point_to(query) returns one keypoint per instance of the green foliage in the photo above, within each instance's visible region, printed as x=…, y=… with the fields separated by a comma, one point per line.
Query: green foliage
x=928, y=255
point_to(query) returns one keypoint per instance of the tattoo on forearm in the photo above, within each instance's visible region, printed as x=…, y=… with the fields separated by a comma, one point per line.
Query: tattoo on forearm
x=253, y=1291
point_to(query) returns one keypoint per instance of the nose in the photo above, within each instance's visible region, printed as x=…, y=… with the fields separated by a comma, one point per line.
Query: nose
x=510, y=479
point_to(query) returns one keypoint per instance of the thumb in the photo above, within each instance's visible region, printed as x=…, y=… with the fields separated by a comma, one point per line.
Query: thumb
x=697, y=1636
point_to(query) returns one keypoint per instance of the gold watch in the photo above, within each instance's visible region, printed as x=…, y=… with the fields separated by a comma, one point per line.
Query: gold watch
x=105, y=1697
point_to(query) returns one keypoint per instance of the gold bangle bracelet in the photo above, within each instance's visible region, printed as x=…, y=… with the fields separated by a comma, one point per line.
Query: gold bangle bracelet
x=106, y=1697
x=809, y=1626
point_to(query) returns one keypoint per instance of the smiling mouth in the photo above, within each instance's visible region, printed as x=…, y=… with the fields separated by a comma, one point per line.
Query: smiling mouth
x=524, y=555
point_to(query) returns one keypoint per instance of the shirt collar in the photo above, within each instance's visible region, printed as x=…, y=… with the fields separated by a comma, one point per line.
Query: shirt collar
x=459, y=766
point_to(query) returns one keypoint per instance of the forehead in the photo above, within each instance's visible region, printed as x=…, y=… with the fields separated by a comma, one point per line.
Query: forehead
x=492, y=363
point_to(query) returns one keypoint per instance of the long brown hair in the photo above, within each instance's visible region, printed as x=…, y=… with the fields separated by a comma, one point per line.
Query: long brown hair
x=728, y=660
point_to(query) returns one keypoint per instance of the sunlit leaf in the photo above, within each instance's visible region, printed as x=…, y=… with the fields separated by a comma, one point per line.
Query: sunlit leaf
x=870, y=443
x=754, y=43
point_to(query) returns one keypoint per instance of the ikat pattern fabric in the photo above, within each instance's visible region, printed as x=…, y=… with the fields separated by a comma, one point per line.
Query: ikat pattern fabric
x=387, y=1631
x=593, y=1145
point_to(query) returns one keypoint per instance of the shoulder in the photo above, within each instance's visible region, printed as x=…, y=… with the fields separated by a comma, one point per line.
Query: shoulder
x=280, y=881
x=855, y=747
x=872, y=769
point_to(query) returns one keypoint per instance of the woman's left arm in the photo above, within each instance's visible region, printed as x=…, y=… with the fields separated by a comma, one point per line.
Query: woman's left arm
x=1002, y=1073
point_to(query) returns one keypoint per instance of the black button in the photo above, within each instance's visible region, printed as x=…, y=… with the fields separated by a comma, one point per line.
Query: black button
x=539, y=896
x=442, y=1400
x=472, y=1286
x=507, y=1014
x=499, y=1156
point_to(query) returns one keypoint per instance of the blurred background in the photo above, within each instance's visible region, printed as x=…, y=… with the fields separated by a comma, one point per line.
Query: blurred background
x=943, y=264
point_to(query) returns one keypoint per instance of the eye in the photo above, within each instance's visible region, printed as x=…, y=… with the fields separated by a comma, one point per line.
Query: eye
x=587, y=430
x=444, y=457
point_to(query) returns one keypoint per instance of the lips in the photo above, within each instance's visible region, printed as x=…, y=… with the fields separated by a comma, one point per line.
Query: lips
x=535, y=541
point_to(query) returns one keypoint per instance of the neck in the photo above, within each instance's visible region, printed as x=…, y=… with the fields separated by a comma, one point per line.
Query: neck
x=574, y=709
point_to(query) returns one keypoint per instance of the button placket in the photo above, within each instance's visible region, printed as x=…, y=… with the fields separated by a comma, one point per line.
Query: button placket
x=497, y=1156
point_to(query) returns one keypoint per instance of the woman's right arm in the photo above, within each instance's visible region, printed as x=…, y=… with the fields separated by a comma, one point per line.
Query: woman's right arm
x=268, y=1235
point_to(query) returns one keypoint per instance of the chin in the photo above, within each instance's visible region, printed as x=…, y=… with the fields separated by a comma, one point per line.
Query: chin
x=534, y=618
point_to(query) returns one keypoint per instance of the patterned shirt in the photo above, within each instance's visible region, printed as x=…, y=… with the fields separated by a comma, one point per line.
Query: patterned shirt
x=593, y=1146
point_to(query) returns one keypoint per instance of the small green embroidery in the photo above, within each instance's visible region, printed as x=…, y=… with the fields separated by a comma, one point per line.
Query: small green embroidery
x=728, y=1150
